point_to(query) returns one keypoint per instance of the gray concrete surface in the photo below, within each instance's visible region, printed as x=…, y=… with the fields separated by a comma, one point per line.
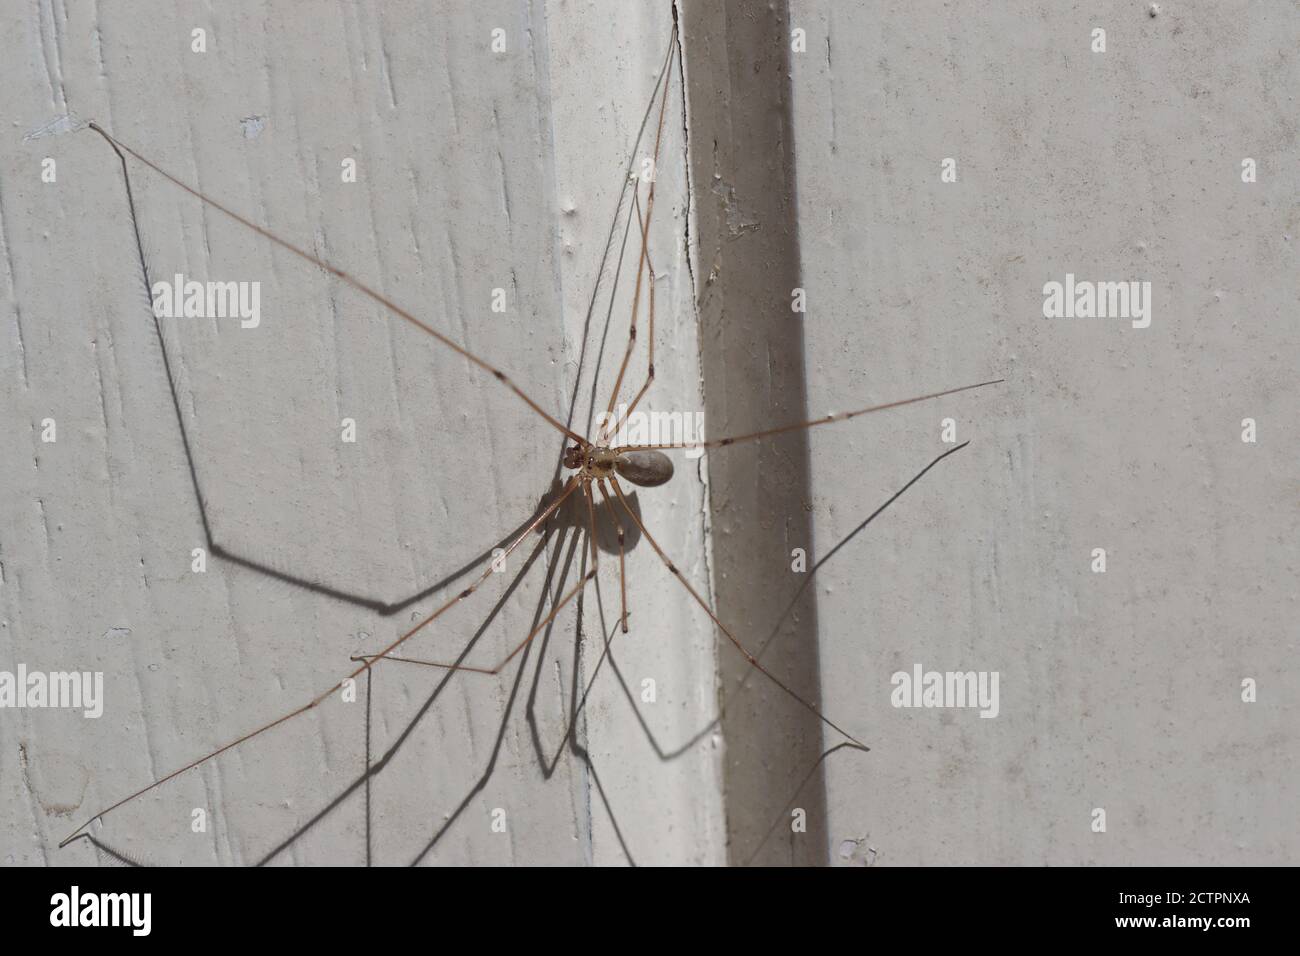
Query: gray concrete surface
x=819, y=169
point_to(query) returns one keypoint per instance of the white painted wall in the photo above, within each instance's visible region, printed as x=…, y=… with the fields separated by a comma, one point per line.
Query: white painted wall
x=1118, y=690
x=477, y=171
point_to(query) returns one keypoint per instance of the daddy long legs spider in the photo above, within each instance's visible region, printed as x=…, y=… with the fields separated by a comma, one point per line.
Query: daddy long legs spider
x=595, y=465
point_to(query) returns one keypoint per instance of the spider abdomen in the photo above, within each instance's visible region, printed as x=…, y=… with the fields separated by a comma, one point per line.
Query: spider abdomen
x=646, y=468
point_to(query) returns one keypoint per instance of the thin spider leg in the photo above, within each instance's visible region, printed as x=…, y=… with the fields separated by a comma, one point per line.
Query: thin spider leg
x=641, y=265
x=811, y=423
x=591, y=518
x=581, y=701
x=590, y=535
x=650, y=369
x=606, y=429
x=512, y=696
x=817, y=564
x=384, y=608
x=416, y=660
x=825, y=755
x=743, y=683
x=316, y=701
x=546, y=621
x=410, y=726
x=608, y=499
x=356, y=284
x=629, y=182
x=676, y=572
x=595, y=557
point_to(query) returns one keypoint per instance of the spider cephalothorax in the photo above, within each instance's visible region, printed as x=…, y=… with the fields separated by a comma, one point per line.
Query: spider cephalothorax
x=574, y=456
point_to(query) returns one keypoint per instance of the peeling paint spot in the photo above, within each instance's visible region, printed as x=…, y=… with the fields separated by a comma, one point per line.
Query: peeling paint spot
x=64, y=123
x=252, y=126
x=738, y=221
x=857, y=852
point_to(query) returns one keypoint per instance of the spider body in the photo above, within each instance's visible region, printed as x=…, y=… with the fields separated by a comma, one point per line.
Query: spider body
x=644, y=467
